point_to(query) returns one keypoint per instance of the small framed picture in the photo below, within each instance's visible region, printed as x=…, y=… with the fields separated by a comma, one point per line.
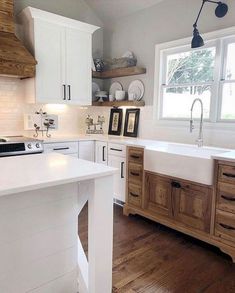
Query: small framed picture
x=115, y=121
x=131, y=122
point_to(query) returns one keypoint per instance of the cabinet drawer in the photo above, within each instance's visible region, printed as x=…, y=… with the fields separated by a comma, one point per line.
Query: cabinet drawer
x=227, y=174
x=61, y=147
x=134, y=194
x=225, y=225
x=115, y=149
x=136, y=155
x=135, y=173
x=226, y=197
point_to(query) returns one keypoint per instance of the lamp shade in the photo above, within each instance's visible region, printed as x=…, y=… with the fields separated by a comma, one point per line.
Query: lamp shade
x=221, y=10
x=197, y=40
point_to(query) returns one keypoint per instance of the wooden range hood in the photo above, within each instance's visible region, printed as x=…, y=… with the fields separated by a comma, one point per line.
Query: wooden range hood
x=15, y=59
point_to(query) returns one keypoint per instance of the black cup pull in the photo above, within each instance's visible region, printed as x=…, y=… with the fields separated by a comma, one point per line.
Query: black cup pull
x=229, y=175
x=227, y=227
x=228, y=198
x=134, y=174
x=133, y=194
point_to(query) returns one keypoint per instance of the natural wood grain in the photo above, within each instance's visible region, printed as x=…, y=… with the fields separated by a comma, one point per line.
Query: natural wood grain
x=119, y=72
x=6, y=16
x=119, y=104
x=150, y=258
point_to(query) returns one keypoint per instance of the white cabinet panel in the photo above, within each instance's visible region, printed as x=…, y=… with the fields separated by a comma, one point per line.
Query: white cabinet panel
x=120, y=177
x=62, y=147
x=50, y=77
x=87, y=150
x=101, y=152
x=78, y=68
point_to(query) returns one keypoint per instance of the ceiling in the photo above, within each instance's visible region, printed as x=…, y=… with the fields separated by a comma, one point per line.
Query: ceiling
x=108, y=10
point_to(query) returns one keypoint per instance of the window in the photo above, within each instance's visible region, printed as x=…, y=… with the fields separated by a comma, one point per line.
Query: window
x=207, y=73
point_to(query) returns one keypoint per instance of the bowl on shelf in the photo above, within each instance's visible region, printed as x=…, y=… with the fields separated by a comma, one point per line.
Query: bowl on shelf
x=120, y=95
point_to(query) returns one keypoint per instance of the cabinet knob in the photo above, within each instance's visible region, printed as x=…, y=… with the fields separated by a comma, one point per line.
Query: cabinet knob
x=175, y=184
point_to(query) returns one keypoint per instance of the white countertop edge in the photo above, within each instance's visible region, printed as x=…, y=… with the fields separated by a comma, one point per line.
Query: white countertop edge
x=55, y=183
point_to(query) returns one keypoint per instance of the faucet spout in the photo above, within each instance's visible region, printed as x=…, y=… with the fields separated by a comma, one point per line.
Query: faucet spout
x=199, y=141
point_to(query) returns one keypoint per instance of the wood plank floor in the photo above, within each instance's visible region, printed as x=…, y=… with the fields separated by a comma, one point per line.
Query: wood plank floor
x=151, y=258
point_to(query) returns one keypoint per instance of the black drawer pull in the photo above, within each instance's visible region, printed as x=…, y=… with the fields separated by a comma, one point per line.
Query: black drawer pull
x=135, y=157
x=228, y=198
x=227, y=227
x=134, y=174
x=134, y=194
x=61, y=149
x=229, y=175
x=175, y=184
x=117, y=150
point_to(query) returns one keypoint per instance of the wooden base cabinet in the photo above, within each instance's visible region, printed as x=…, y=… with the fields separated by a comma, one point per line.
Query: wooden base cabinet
x=203, y=212
x=186, y=203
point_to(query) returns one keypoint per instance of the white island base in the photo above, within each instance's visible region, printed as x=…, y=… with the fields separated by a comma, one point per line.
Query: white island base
x=40, y=250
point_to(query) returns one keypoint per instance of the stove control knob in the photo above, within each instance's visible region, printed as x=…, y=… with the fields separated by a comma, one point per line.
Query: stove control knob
x=29, y=146
x=37, y=145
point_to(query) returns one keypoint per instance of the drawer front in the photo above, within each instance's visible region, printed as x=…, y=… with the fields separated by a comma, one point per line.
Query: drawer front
x=61, y=147
x=226, y=197
x=227, y=174
x=115, y=149
x=225, y=225
x=135, y=173
x=136, y=155
x=134, y=195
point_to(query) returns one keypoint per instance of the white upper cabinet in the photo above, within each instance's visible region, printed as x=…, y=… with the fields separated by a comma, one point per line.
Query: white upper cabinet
x=63, y=50
x=78, y=66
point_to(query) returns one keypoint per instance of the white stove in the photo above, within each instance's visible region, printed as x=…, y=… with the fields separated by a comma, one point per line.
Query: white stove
x=19, y=145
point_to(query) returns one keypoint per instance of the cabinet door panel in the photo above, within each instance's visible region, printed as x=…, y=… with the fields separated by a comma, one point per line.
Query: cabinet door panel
x=86, y=150
x=101, y=152
x=192, y=205
x=78, y=64
x=120, y=177
x=49, y=53
x=158, y=194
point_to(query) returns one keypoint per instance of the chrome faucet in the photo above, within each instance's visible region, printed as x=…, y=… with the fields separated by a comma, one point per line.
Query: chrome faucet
x=199, y=141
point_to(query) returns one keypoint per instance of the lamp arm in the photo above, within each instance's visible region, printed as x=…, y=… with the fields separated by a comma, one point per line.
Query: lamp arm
x=200, y=11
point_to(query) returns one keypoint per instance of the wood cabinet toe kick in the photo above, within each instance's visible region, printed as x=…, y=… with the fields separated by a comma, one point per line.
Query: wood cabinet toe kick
x=203, y=212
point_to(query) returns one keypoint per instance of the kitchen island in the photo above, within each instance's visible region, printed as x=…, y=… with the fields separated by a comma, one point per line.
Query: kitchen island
x=40, y=199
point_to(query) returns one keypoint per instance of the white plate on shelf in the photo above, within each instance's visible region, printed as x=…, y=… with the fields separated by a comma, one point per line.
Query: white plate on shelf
x=136, y=90
x=95, y=89
x=115, y=86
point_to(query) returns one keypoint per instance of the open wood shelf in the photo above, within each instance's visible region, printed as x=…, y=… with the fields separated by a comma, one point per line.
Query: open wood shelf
x=120, y=104
x=119, y=72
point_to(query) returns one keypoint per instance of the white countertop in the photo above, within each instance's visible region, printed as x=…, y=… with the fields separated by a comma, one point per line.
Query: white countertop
x=228, y=156
x=24, y=173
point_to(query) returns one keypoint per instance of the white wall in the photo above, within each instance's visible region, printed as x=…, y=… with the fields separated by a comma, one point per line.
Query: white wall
x=140, y=32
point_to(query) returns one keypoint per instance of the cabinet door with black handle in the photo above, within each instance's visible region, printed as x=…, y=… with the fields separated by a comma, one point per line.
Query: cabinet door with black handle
x=192, y=205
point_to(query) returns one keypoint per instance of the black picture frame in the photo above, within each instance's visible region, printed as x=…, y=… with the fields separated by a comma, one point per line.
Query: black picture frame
x=131, y=122
x=115, y=121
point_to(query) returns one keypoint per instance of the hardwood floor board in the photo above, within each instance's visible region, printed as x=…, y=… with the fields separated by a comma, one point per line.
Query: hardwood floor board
x=151, y=258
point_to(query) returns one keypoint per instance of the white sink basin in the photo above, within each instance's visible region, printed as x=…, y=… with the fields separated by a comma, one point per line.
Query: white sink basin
x=187, y=162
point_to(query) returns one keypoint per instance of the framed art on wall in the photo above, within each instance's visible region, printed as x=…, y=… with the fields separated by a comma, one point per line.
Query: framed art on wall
x=115, y=121
x=131, y=122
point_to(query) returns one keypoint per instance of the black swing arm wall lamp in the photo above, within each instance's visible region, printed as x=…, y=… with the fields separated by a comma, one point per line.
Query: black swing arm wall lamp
x=220, y=11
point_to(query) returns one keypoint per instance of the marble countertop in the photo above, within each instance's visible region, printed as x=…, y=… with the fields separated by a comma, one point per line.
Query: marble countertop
x=24, y=173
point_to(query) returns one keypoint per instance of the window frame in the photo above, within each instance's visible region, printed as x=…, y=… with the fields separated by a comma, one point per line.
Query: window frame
x=219, y=39
x=222, y=80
